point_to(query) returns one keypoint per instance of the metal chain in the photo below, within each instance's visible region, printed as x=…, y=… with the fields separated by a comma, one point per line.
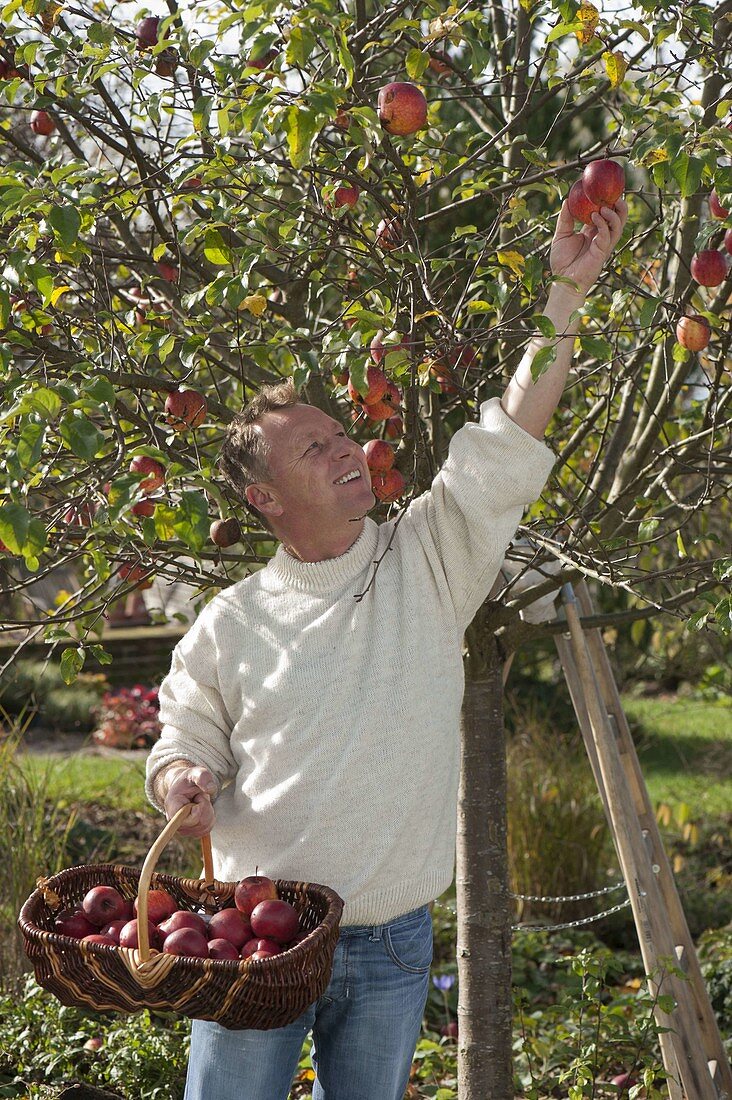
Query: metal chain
x=572, y=897
x=555, y=927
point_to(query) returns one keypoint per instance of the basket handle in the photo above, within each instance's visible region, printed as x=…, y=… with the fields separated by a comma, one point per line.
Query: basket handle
x=172, y=827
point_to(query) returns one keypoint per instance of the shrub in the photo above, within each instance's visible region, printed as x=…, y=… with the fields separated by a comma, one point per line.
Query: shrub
x=36, y=689
x=128, y=718
x=141, y=1056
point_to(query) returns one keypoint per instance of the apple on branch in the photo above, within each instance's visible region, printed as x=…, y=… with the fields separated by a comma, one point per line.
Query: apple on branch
x=225, y=532
x=402, y=108
x=715, y=207
x=693, y=332
x=728, y=241
x=709, y=267
x=185, y=409
x=389, y=234
x=142, y=464
x=42, y=123
x=388, y=487
x=375, y=388
x=346, y=194
x=147, y=32
x=603, y=182
x=379, y=456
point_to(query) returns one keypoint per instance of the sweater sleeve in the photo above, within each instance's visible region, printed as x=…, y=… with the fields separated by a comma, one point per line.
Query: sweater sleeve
x=195, y=723
x=494, y=470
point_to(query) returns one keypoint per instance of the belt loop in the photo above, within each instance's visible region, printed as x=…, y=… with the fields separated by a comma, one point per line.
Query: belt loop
x=376, y=931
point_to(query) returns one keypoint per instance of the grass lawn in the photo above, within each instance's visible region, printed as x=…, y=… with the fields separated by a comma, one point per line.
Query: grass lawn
x=82, y=777
x=685, y=750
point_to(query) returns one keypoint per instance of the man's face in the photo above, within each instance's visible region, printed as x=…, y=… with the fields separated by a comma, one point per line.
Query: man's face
x=310, y=454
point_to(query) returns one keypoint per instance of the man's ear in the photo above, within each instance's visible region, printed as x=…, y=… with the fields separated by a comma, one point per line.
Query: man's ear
x=264, y=500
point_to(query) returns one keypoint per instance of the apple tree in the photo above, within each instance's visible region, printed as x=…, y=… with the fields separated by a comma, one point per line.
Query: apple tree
x=196, y=201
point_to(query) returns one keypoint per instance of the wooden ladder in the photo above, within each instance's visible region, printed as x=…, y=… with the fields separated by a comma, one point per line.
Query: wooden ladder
x=691, y=1048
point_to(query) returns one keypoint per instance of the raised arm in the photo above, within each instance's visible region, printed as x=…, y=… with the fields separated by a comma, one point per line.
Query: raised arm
x=580, y=257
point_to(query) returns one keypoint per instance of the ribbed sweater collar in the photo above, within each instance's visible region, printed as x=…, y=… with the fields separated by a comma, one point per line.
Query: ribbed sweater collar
x=332, y=573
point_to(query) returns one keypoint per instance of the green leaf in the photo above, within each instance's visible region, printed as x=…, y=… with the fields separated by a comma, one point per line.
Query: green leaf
x=101, y=34
x=648, y=312
x=81, y=436
x=192, y=521
x=66, y=221
x=647, y=528
x=72, y=662
x=30, y=445
x=21, y=532
x=598, y=347
x=301, y=129
x=542, y=361
x=42, y=280
x=44, y=402
x=202, y=112
x=215, y=251
x=300, y=46
x=545, y=325
x=561, y=29
x=344, y=57
x=680, y=545
x=687, y=171
x=416, y=63
x=100, y=389
x=4, y=308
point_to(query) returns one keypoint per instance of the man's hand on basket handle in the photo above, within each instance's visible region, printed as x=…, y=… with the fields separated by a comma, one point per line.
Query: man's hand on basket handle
x=184, y=784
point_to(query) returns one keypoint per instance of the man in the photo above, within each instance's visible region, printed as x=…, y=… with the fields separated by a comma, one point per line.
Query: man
x=311, y=714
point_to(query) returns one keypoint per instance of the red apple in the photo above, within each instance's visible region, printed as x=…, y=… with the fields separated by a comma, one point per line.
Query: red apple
x=341, y=120
x=345, y=195
x=379, y=456
x=74, y=923
x=186, y=941
x=231, y=925
x=42, y=123
x=79, y=515
x=249, y=948
x=274, y=947
x=261, y=63
x=128, y=935
x=263, y=954
x=443, y=377
x=95, y=1043
x=147, y=31
x=715, y=207
x=450, y=1031
x=168, y=271
x=274, y=919
x=166, y=67
x=402, y=108
x=141, y=464
x=387, y=407
x=728, y=241
x=193, y=183
x=604, y=182
x=133, y=574
x=114, y=928
x=222, y=949
x=709, y=267
x=439, y=66
x=185, y=409
x=394, y=427
x=10, y=72
x=183, y=918
x=580, y=206
x=251, y=890
x=99, y=937
x=225, y=532
x=388, y=487
x=143, y=508
x=389, y=234
x=694, y=332
x=376, y=386
x=160, y=905
x=340, y=378
x=463, y=356
x=103, y=904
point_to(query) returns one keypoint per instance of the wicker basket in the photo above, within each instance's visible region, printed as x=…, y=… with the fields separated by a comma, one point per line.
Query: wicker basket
x=250, y=993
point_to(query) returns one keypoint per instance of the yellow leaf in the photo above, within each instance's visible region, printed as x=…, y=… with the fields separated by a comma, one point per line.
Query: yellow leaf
x=49, y=15
x=589, y=17
x=423, y=177
x=616, y=67
x=58, y=292
x=255, y=303
x=654, y=156
x=429, y=313
x=513, y=260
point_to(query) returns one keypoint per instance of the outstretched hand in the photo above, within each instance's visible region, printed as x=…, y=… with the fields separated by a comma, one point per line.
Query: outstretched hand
x=581, y=256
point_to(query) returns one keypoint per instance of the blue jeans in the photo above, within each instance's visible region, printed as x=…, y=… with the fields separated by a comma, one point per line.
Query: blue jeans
x=365, y=1027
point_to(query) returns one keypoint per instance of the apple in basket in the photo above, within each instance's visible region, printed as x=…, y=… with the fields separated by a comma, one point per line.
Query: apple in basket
x=219, y=948
x=74, y=923
x=186, y=941
x=160, y=905
x=103, y=904
x=113, y=929
x=128, y=934
x=275, y=920
x=231, y=925
x=251, y=890
x=183, y=918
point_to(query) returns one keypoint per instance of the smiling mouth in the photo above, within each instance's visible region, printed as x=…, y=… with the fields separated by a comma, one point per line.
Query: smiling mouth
x=352, y=475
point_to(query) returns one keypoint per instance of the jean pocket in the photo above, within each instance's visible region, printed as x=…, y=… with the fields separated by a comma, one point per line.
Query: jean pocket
x=409, y=944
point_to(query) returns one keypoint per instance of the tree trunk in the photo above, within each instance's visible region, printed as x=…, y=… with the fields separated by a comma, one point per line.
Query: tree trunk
x=485, y=1006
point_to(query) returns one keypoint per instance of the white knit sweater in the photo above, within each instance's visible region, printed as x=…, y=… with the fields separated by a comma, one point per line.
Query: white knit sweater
x=332, y=723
